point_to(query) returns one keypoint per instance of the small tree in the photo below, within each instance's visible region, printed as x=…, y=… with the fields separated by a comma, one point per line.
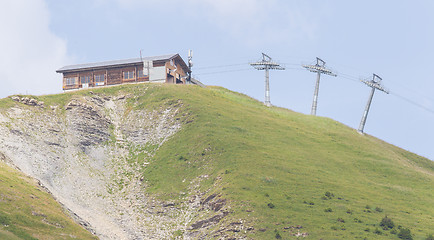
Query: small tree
x=404, y=233
x=387, y=223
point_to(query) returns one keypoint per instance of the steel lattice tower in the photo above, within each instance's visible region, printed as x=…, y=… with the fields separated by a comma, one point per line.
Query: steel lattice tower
x=374, y=84
x=318, y=68
x=266, y=64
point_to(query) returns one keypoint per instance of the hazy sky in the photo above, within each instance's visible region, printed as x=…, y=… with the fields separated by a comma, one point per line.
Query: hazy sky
x=394, y=39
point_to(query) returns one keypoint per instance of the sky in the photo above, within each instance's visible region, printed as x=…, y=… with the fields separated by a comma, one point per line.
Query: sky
x=393, y=39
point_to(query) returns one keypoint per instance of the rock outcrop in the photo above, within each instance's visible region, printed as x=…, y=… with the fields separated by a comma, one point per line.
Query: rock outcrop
x=81, y=153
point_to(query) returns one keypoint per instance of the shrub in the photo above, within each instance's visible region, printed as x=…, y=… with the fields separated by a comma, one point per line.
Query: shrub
x=328, y=210
x=394, y=231
x=270, y=205
x=4, y=220
x=387, y=223
x=277, y=236
x=334, y=228
x=368, y=207
x=430, y=237
x=378, y=231
x=349, y=211
x=329, y=195
x=404, y=233
x=341, y=220
x=378, y=209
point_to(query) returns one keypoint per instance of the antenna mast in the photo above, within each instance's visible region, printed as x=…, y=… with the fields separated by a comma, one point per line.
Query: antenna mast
x=190, y=64
x=374, y=84
x=266, y=64
x=318, y=68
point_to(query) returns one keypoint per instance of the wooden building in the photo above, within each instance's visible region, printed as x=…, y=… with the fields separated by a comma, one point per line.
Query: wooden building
x=164, y=69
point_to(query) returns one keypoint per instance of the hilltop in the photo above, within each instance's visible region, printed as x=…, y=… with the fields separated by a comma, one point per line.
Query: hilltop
x=169, y=161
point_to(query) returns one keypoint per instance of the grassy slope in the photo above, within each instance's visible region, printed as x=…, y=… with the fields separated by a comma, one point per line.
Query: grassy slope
x=273, y=155
x=256, y=155
x=28, y=212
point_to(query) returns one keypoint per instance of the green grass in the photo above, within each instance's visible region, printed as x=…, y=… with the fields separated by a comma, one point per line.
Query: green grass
x=278, y=168
x=28, y=212
x=273, y=155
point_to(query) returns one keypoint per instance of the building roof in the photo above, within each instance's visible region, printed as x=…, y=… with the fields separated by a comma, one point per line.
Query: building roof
x=79, y=67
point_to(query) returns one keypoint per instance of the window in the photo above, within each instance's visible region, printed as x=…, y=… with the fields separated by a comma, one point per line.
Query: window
x=85, y=79
x=71, y=81
x=99, y=78
x=129, y=75
x=140, y=74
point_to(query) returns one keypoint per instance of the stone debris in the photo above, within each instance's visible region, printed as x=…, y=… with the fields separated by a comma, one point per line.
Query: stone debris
x=28, y=101
x=81, y=156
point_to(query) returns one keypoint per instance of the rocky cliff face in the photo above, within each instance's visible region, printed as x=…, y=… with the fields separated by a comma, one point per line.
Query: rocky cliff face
x=91, y=154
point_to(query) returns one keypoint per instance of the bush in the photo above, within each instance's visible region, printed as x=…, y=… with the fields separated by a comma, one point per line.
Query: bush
x=277, y=236
x=270, y=205
x=387, y=223
x=378, y=209
x=430, y=237
x=341, y=220
x=404, y=233
x=329, y=195
x=328, y=210
x=4, y=220
x=378, y=231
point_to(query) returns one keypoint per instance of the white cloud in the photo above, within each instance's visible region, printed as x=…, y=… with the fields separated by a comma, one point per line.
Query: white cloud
x=30, y=51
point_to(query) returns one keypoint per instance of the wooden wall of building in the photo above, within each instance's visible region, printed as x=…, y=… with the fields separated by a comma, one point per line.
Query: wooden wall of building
x=115, y=75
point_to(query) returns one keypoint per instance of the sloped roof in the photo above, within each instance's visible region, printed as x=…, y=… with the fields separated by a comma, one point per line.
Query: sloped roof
x=118, y=63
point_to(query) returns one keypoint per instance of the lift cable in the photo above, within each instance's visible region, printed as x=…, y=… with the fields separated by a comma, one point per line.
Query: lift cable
x=340, y=75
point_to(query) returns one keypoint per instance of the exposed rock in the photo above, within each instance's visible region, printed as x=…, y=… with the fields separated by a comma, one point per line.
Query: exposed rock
x=73, y=155
x=207, y=222
x=28, y=101
x=81, y=156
